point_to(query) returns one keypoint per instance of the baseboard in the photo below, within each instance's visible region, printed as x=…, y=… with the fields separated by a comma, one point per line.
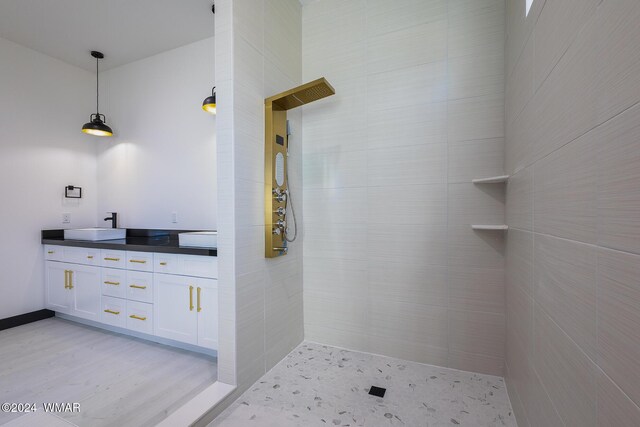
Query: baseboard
x=23, y=319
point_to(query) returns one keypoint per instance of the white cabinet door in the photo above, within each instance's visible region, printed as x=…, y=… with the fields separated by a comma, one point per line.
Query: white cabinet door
x=85, y=283
x=207, y=307
x=58, y=293
x=174, y=310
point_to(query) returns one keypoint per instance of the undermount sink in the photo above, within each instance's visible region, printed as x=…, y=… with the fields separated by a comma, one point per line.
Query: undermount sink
x=199, y=239
x=95, y=234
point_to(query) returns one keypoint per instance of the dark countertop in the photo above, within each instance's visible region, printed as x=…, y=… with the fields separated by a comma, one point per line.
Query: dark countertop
x=141, y=240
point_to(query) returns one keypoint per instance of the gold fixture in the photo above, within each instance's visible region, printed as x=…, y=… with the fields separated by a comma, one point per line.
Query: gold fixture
x=190, y=298
x=275, y=158
x=112, y=283
x=51, y=252
x=70, y=279
x=133, y=316
x=89, y=256
x=199, y=307
x=66, y=279
x=137, y=287
x=112, y=259
x=112, y=312
x=163, y=263
x=139, y=261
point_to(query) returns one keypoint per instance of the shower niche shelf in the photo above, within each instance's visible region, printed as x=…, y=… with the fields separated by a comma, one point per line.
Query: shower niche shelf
x=491, y=180
x=490, y=227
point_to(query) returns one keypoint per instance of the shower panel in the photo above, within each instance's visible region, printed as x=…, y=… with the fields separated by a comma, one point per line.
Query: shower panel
x=277, y=196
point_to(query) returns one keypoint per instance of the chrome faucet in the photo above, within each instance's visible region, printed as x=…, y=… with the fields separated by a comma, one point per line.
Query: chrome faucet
x=114, y=219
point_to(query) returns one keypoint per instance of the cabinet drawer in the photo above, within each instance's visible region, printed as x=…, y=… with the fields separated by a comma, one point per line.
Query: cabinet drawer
x=198, y=266
x=140, y=317
x=166, y=263
x=53, y=253
x=113, y=259
x=86, y=256
x=72, y=255
x=141, y=261
x=114, y=282
x=114, y=311
x=140, y=286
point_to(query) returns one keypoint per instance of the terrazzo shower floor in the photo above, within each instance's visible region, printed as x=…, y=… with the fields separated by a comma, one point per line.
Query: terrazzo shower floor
x=317, y=385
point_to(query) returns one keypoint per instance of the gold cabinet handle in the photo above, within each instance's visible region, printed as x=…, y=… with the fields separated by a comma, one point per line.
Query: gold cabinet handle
x=139, y=261
x=112, y=312
x=190, y=298
x=89, y=256
x=133, y=316
x=199, y=307
x=112, y=259
x=163, y=263
x=70, y=279
x=111, y=283
x=137, y=287
x=51, y=252
x=66, y=279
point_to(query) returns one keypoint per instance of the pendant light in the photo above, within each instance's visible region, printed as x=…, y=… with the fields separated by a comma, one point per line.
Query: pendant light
x=209, y=103
x=96, y=125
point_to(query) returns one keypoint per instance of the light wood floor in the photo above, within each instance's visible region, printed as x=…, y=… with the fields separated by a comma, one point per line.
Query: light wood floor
x=118, y=380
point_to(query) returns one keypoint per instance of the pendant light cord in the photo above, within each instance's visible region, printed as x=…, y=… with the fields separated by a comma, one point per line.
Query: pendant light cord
x=97, y=88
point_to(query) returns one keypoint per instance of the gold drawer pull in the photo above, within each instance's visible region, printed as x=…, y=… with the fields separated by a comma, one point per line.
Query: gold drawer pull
x=70, y=279
x=51, y=252
x=112, y=283
x=139, y=261
x=112, y=312
x=163, y=263
x=199, y=306
x=190, y=298
x=89, y=256
x=66, y=279
x=112, y=259
x=133, y=316
x=137, y=287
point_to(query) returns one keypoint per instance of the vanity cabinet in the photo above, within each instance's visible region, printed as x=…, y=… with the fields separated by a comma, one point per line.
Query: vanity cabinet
x=172, y=296
x=74, y=289
x=185, y=309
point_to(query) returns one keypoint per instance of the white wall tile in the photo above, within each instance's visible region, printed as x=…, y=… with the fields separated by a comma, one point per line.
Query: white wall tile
x=416, y=164
x=565, y=287
x=406, y=47
x=475, y=159
x=404, y=205
x=476, y=204
x=476, y=118
x=567, y=374
x=619, y=319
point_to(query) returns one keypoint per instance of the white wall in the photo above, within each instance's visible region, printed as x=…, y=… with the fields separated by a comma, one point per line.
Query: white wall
x=162, y=158
x=391, y=264
x=43, y=105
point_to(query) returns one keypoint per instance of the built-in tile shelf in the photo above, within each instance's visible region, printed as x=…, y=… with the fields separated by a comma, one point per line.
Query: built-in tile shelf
x=492, y=180
x=490, y=227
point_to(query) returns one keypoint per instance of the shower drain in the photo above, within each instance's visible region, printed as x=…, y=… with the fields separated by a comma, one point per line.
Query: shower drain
x=377, y=391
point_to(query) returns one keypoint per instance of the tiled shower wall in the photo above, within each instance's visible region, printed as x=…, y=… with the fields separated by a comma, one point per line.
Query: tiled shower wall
x=391, y=265
x=573, y=207
x=258, y=54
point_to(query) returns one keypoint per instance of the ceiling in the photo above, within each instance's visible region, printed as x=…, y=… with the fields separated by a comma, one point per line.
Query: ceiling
x=124, y=30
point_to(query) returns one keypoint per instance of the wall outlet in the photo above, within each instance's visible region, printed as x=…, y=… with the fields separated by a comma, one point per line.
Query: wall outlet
x=66, y=218
x=174, y=217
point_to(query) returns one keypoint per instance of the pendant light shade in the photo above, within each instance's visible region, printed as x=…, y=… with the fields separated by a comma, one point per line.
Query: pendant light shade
x=209, y=103
x=96, y=125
